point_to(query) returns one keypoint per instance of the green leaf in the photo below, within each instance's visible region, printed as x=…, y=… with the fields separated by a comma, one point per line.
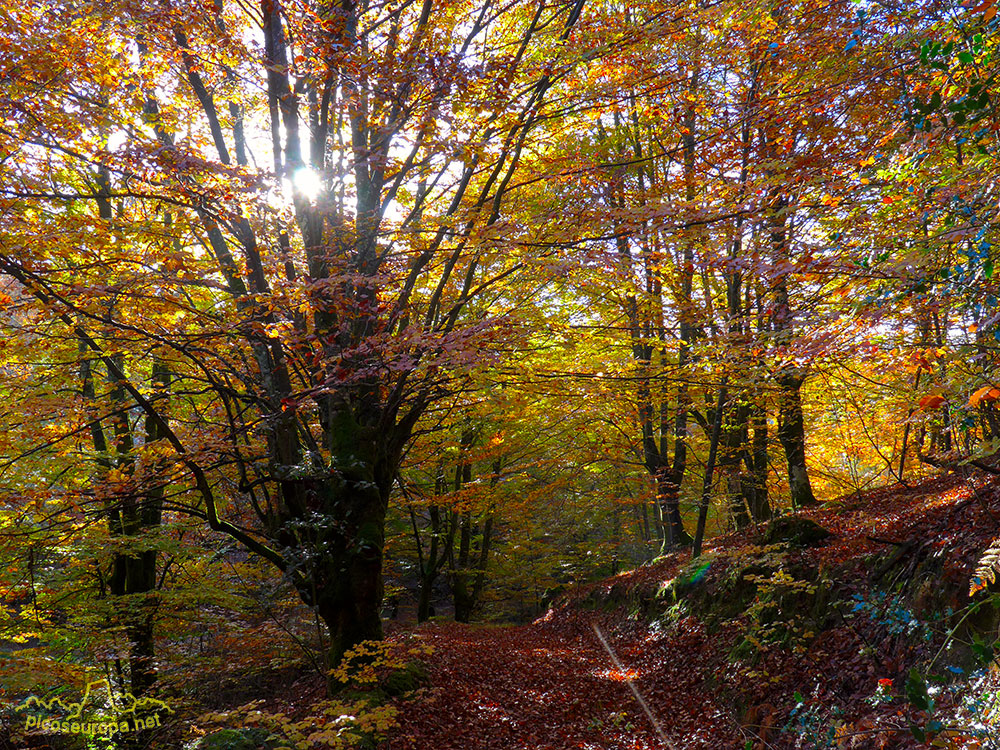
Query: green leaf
x=918, y=733
x=983, y=650
x=916, y=691
x=965, y=58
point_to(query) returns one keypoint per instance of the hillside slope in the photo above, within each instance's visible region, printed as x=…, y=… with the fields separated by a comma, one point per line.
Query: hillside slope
x=774, y=639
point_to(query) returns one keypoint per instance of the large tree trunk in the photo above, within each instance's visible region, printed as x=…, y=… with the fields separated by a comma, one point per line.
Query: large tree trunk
x=791, y=425
x=338, y=537
x=663, y=407
x=349, y=596
x=747, y=489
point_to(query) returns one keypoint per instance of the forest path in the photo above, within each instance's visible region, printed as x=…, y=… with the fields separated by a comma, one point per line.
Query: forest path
x=552, y=685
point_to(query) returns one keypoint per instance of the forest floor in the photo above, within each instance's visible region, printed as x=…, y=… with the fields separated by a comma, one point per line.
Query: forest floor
x=895, y=575
x=553, y=685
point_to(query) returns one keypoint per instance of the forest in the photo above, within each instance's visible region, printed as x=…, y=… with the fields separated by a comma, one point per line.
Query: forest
x=514, y=374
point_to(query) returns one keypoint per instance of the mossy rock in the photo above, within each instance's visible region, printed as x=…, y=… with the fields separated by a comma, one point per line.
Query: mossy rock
x=689, y=580
x=801, y=532
x=240, y=739
x=710, y=587
x=412, y=676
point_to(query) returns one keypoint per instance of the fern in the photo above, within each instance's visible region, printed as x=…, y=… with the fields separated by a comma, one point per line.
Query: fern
x=986, y=569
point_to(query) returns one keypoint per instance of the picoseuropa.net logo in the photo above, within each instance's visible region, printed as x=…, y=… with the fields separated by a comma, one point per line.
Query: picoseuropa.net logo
x=100, y=713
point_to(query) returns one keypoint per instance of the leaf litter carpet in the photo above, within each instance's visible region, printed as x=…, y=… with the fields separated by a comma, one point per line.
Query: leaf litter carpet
x=552, y=684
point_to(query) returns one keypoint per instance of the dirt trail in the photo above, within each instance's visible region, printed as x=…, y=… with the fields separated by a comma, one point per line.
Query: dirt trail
x=552, y=685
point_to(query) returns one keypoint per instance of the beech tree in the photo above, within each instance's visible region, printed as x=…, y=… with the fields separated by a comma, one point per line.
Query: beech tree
x=309, y=337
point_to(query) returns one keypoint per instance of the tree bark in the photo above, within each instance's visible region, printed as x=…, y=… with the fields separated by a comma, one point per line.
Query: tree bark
x=791, y=433
x=706, y=490
x=760, y=507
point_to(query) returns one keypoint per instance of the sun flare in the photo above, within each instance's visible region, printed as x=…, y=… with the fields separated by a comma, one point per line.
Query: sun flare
x=307, y=182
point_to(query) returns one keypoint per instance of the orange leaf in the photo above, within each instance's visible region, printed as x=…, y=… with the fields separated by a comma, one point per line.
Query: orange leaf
x=932, y=401
x=987, y=393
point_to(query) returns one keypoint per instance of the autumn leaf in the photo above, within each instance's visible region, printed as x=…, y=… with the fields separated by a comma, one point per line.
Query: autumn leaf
x=932, y=401
x=985, y=395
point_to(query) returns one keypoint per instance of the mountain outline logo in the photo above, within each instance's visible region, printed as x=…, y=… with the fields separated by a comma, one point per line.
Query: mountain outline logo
x=57, y=716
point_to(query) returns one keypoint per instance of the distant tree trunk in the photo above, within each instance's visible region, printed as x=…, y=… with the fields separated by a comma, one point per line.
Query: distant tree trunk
x=941, y=439
x=440, y=541
x=458, y=567
x=137, y=576
x=486, y=540
x=430, y=567
x=643, y=521
x=131, y=578
x=485, y=543
x=460, y=573
x=663, y=406
x=706, y=490
x=760, y=508
x=468, y=571
x=686, y=315
x=427, y=569
x=668, y=497
x=791, y=433
x=733, y=445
